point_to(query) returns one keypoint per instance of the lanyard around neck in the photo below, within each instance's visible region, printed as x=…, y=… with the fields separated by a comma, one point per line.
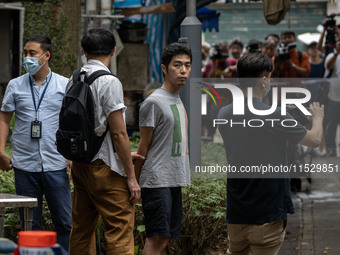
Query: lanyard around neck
x=41, y=98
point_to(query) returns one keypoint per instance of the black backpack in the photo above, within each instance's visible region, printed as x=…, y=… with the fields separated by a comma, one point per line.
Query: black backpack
x=76, y=137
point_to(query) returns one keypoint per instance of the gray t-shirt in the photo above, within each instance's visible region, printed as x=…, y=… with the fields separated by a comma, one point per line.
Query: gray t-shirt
x=167, y=161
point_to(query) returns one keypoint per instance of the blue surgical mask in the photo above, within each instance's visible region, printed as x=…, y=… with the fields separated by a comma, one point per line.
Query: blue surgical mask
x=31, y=64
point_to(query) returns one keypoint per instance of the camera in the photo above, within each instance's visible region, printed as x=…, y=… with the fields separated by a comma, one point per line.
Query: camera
x=284, y=50
x=330, y=21
x=217, y=53
x=330, y=33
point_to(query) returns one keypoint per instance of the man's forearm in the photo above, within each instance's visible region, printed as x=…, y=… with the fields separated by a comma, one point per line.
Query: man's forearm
x=330, y=63
x=143, y=151
x=122, y=145
x=319, y=45
x=317, y=129
x=313, y=137
x=4, y=128
x=302, y=72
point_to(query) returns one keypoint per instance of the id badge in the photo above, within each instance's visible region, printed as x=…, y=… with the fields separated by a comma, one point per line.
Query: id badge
x=36, y=129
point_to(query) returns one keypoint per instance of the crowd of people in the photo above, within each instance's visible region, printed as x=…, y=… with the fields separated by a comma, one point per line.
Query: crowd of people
x=220, y=60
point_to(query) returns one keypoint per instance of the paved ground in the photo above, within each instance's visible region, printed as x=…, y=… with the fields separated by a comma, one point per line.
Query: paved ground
x=315, y=228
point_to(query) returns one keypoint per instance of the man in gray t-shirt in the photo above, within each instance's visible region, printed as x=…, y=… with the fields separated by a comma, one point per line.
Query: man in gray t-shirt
x=167, y=161
x=164, y=143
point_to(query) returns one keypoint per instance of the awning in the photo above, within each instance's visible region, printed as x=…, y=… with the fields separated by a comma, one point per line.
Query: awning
x=208, y=18
x=307, y=38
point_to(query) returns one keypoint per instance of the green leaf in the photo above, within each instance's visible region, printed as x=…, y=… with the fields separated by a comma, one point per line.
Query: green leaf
x=141, y=228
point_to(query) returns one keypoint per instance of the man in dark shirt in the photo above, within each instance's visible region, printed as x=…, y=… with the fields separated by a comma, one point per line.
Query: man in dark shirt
x=257, y=207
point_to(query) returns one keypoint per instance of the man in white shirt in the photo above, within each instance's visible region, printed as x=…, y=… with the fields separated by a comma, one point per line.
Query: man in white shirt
x=107, y=186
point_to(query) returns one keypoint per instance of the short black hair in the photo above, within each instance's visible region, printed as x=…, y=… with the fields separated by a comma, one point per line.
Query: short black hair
x=288, y=32
x=253, y=65
x=273, y=35
x=269, y=43
x=175, y=49
x=236, y=41
x=45, y=43
x=312, y=44
x=98, y=41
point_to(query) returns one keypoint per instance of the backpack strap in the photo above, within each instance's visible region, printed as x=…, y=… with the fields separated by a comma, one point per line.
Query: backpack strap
x=76, y=75
x=89, y=80
x=95, y=75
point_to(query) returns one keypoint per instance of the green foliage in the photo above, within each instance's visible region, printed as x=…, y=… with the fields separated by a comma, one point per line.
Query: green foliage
x=212, y=154
x=7, y=182
x=12, y=219
x=49, y=19
x=11, y=125
x=134, y=141
x=203, y=222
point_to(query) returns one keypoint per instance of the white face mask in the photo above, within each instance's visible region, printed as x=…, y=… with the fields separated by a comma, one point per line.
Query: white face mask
x=31, y=64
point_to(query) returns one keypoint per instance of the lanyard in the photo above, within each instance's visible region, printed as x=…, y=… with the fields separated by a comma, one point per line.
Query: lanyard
x=42, y=96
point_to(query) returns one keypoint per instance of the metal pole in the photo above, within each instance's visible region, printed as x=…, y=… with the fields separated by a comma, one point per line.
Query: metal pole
x=191, y=28
x=191, y=8
x=91, y=9
x=106, y=6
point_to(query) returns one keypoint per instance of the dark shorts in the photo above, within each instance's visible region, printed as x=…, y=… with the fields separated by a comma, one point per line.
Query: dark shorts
x=162, y=208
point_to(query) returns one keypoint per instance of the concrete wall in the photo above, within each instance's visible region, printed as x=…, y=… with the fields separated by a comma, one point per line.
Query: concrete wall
x=246, y=21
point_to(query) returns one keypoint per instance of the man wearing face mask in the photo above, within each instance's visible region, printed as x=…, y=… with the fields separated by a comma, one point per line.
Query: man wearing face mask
x=36, y=99
x=257, y=205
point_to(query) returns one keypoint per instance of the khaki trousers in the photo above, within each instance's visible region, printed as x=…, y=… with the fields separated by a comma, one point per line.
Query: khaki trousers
x=246, y=239
x=100, y=191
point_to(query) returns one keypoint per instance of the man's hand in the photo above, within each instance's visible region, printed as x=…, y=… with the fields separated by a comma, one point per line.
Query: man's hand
x=136, y=157
x=313, y=137
x=134, y=190
x=317, y=111
x=69, y=166
x=5, y=162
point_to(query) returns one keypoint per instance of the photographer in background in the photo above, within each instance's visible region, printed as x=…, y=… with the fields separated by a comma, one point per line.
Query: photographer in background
x=218, y=61
x=331, y=31
x=290, y=63
x=273, y=37
x=235, y=48
x=254, y=46
x=269, y=49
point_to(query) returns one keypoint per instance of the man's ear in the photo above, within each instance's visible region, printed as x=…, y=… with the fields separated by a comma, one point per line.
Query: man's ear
x=48, y=55
x=264, y=81
x=85, y=53
x=113, y=52
x=164, y=69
